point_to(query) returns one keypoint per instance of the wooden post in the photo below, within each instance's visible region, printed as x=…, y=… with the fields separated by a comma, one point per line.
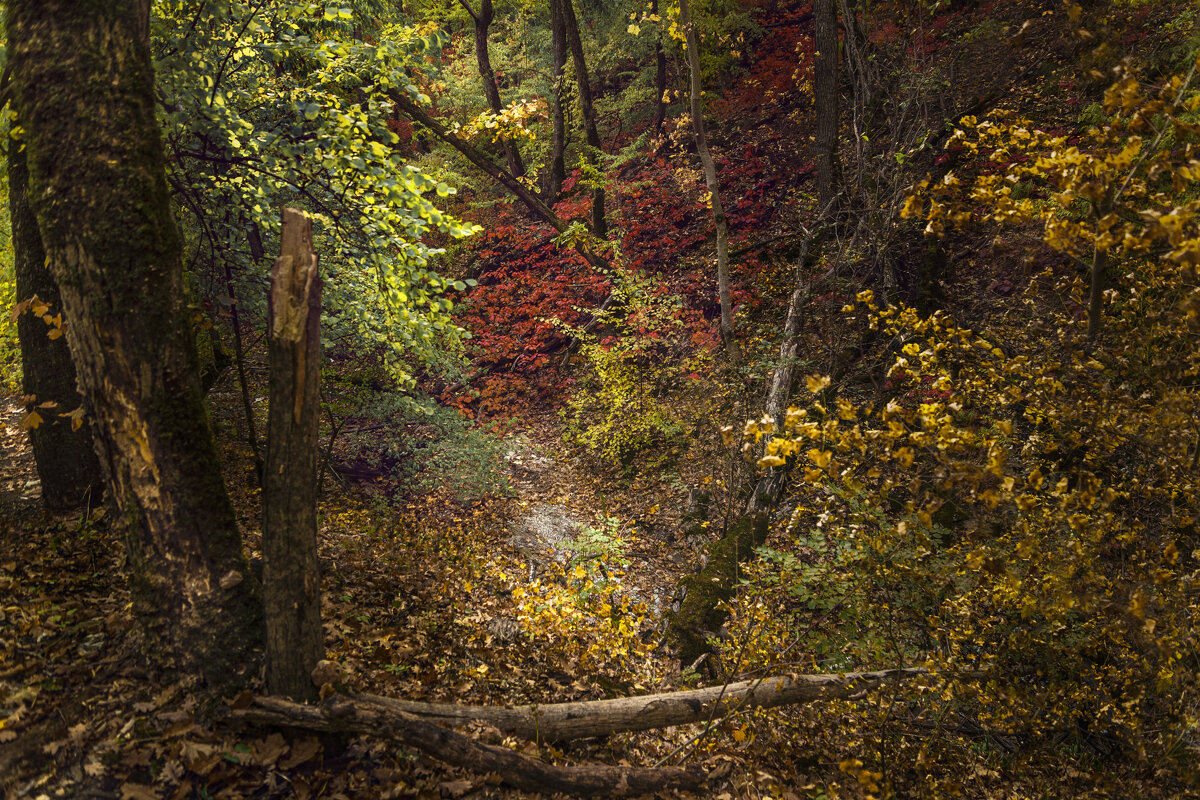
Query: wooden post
x=291, y=574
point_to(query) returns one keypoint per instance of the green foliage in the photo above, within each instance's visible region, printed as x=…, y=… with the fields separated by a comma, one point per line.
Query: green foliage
x=407, y=438
x=265, y=108
x=619, y=408
x=10, y=348
x=601, y=543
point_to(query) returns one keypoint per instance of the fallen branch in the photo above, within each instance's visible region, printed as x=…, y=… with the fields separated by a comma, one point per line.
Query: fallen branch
x=367, y=715
x=564, y=721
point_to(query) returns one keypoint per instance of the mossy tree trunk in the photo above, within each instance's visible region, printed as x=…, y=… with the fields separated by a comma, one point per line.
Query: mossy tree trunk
x=720, y=222
x=701, y=614
x=556, y=169
x=84, y=90
x=66, y=463
x=590, y=130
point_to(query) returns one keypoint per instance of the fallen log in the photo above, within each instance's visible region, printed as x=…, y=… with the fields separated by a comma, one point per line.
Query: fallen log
x=354, y=715
x=564, y=721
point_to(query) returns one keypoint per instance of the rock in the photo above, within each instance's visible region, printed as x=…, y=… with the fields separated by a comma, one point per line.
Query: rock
x=544, y=532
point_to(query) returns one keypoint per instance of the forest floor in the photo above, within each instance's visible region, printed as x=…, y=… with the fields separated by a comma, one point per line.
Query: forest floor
x=418, y=603
x=551, y=591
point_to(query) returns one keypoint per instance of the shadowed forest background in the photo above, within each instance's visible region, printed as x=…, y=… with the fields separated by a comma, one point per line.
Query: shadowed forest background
x=804, y=392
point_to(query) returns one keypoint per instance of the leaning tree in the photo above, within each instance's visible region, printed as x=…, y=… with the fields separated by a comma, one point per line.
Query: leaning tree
x=83, y=88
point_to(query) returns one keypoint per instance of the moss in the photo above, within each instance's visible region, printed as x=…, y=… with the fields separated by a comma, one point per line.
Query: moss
x=83, y=88
x=702, y=612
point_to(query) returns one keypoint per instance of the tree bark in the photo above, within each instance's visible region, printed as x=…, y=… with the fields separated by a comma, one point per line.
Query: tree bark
x=1098, y=274
x=359, y=716
x=591, y=132
x=701, y=613
x=556, y=170
x=66, y=462
x=491, y=91
x=825, y=90
x=291, y=572
x=660, y=75
x=480, y=160
x=710, y=178
x=84, y=91
x=558, y=722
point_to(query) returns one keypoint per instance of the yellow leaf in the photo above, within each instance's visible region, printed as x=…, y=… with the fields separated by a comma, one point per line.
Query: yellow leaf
x=31, y=420
x=816, y=383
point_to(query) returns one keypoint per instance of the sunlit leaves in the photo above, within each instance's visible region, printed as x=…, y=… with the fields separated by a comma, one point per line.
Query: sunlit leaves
x=290, y=107
x=1029, y=500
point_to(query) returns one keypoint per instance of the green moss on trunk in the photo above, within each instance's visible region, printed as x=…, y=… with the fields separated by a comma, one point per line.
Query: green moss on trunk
x=701, y=613
x=84, y=91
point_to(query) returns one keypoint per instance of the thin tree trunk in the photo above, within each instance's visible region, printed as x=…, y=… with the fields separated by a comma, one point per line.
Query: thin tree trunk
x=702, y=613
x=239, y=357
x=660, y=75
x=710, y=177
x=480, y=160
x=84, y=90
x=559, y=722
x=455, y=748
x=826, y=95
x=291, y=572
x=491, y=89
x=556, y=170
x=591, y=132
x=1099, y=268
x=62, y=450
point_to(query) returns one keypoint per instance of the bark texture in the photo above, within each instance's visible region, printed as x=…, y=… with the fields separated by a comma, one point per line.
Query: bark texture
x=710, y=177
x=491, y=90
x=354, y=716
x=660, y=75
x=825, y=90
x=591, y=132
x=558, y=722
x=66, y=462
x=556, y=169
x=291, y=572
x=700, y=613
x=83, y=87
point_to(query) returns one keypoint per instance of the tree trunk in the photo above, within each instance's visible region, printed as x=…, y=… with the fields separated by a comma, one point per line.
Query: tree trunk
x=559, y=722
x=660, y=75
x=291, y=572
x=84, y=90
x=710, y=177
x=826, y=98
x=491, y=90
x=556, y=170
x=66, y=462
x=480, y=160
x=1098, y=274
x=359, y=716
x=701, y=613
x=591, y=132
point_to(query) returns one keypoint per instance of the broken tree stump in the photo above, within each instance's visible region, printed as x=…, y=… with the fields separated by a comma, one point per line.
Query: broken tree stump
x=291, y=573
